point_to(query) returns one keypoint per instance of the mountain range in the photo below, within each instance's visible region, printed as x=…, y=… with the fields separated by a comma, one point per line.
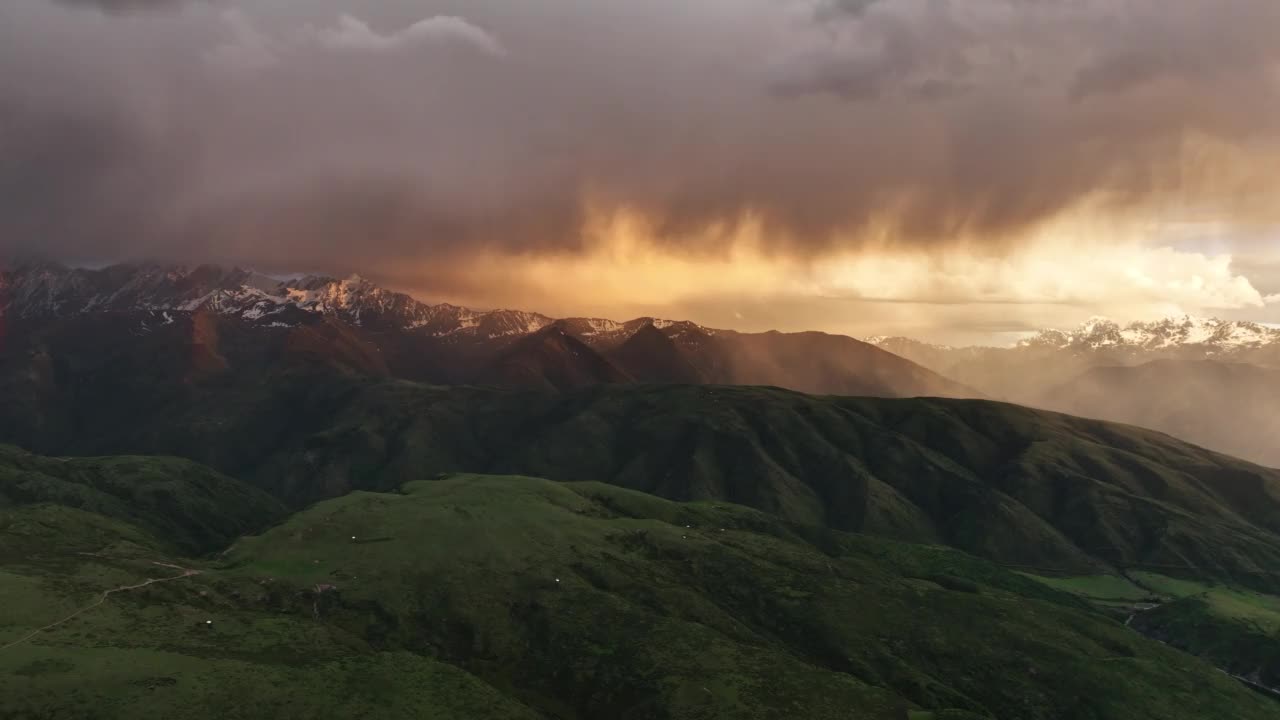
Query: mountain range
x=1101, y=341
x=1186, y=334
x=1204, y=380
x=1208, y=381
x=381, y=331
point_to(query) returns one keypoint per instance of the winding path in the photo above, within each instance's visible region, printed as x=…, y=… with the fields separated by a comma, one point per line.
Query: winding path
x=186, y=573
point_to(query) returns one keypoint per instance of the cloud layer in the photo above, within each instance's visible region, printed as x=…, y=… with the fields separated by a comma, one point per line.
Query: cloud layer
x=425, y=133
x=353, y=34
x=251, y=48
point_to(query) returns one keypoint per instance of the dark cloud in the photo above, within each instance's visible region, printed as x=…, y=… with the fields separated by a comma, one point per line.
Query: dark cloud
x=829, y=10
x=122, y=6
x=73, y=182
x=415, y=131
x=1198, y=46
x=1116, y=73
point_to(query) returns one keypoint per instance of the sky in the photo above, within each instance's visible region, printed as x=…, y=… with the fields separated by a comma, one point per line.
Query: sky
x=956, y=171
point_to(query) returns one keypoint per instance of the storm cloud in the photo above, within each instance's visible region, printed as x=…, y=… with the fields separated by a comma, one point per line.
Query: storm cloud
x=121, y=6
x=340, y=134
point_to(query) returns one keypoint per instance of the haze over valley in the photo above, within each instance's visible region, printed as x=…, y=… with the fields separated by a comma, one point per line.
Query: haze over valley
x=1209, y=381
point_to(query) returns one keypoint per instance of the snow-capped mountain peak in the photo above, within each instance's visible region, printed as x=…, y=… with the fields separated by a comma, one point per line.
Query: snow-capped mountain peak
x=42, y=289
x=1209, y=334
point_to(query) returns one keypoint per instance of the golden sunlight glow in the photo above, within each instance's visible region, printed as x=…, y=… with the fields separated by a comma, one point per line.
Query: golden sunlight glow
x=1066, y=269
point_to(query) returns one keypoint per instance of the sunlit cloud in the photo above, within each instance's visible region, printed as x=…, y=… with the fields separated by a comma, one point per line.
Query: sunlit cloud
x=356, y=35
x=249, y=47
x=1062, y=275
x=246, y=48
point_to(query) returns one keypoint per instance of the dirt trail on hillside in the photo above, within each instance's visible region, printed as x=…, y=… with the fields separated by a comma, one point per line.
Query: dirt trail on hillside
x=186, y=573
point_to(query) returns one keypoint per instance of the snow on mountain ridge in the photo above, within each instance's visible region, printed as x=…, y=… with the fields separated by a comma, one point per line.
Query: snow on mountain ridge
x=36, y=290
x=882, y=341
x=1211, y=336
x=1173, y=332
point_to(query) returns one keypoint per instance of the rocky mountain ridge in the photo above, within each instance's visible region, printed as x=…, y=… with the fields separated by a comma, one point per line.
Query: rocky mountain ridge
x=367, y=328
x=1206, y=335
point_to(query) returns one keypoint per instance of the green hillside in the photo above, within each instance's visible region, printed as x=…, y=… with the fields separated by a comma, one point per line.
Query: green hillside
x=181, y=647
x=1023, y=487
x=189, y=505
x=1042, y=491
x=1237, y=630
x=510, y=597
x=1038, y=493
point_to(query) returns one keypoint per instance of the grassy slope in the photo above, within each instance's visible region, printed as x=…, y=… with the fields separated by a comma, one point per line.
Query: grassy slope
x=199, y=510
x=148, y=652
x=72, y=528
x=1232, y=633
x=1236, y=629
x=446, y=605
x=1022, y=487
x=1100, y=588
x=1029, y=488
